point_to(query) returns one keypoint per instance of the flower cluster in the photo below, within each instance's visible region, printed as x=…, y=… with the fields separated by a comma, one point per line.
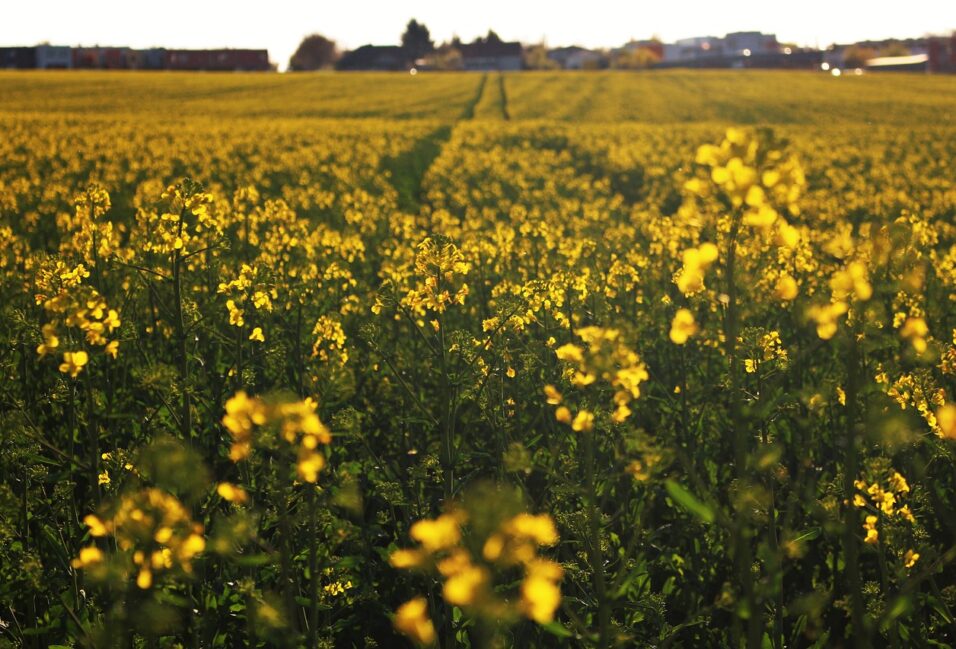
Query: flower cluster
x=186, y=224
x=437, y=264
x=604, y=357
x=447, y=547
x=826, y=317
x=329, y=343
x=295, y=423
x=78, y=317
x=246, y=289
x=755, y=178
x=95, y=238
x=153, y=532
x=918, y=390
x=766, y=348
x=690, y=280
x=683, y=326
x=916, y=332
x=882, y=499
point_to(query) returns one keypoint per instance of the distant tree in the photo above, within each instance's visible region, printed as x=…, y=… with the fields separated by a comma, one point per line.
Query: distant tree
x=445, y=57
x=597, y=63
x=315, y=52
x=856, y=56
x=416, y=41
x=536, y=58
x=895, y=49
x=639, y=58
x=492, y=37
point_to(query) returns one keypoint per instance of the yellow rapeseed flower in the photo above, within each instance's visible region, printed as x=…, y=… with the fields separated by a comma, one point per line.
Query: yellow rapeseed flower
x=411, y=619
x=915, y=330
x=583, y=422
x=438, y=534
x=910, y=559
x=570, y=352
x=682, y=327
x=540, y=594
x=232, y=493
x=553, y=396
x=88, y=556
x=786, y=288
x=946, y=420
x=869, y=525
x=74, y=362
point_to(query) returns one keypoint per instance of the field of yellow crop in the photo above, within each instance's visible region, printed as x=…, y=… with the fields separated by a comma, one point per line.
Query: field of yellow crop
x=477, y=360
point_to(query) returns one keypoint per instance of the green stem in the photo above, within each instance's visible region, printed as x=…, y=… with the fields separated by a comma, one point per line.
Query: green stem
x=185, y=421
x=851, y=548
x=595, y=552
x=286, y=554
x=743, y=551
x=313, y=569
x=92, y=437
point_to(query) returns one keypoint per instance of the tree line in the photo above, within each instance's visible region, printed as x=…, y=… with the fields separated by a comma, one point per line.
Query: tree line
x=317, y=52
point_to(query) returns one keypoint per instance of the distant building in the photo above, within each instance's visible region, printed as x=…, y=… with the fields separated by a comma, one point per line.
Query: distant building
x=493, y=55
x=936, y=54
x=734, y=44
x=912, y=63
x=833, y=57
x=126, y=58
x=941, y=53
x=689, y=49
x=22, y=58
x=218, y=60
x=575, y=58
x=750, y=44
x=104, y=58
x=389, y=58
x=53, y=57
x=787, y=59
x=152, y=59
x=86, y=58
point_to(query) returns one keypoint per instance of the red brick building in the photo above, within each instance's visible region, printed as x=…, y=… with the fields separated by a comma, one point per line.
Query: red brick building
x=942, y=53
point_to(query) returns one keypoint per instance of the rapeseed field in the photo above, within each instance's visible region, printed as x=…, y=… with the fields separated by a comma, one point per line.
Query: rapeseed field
x=477, y=360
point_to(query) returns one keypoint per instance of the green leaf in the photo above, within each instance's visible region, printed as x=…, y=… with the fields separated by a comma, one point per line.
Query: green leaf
x=939, y=608
x=557, y=629
x=900, y=606
x=810, y=534
x=688, y=501
x=253, y=560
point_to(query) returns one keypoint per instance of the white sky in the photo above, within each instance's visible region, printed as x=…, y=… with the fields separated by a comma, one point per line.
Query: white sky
x=279, y=25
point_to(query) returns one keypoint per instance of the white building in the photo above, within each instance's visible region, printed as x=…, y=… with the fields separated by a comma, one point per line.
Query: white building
x=698, y=47
x=575, y=58
x=731, y=45
x=750, y=43
x=54, y=56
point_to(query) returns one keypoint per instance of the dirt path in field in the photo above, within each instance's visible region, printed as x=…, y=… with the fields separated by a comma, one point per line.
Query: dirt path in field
x=504, y=97
x=408, y=170
x=469, y=112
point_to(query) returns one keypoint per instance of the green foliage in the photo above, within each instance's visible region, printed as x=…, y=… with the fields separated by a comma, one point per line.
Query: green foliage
x=688, y=501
